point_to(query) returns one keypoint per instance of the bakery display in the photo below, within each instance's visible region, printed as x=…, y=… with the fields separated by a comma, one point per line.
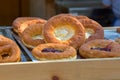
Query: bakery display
x=9, y=50
x=64, y=29
x=32, y=36
x=100, y=48
x=45, y=38
x=54, y=51
x=20, y=23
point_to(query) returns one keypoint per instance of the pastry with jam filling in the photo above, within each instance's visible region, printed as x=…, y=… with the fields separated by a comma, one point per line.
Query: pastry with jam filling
x=100, y=48
x=54, y=51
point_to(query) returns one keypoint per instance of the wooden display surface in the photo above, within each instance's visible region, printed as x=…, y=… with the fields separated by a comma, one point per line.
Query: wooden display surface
x=79, y=69
x=89, y=69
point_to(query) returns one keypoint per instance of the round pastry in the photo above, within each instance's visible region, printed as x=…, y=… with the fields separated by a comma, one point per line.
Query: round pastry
x=64, y=29
x=100, y=48
x=32, y=35
x=53, y=51
x=9, y=51
x=118, y=30
x=93, y=30
x=20, y=23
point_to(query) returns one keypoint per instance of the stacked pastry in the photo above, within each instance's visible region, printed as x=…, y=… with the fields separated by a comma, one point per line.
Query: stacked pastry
x=61, y=36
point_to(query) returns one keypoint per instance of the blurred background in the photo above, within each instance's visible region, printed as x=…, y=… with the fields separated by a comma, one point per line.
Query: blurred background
x=11, y=9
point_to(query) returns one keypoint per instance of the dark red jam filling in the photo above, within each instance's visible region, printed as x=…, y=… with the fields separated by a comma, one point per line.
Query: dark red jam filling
x=5, y=55
x=106, y=48
x=51, y=50
x=102, y=49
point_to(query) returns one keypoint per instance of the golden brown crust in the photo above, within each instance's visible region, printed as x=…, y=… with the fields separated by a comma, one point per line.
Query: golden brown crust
x=20, y=20
x=95, y=26
x=9, y=50
x=20, y=23
x=110, y=49
x=30, y=32
x=68, y=23
x=68, y=52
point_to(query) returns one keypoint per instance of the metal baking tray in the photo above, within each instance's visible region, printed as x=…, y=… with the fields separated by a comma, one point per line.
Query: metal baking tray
x=108, y=34
x=26, y=50
x=6, y=31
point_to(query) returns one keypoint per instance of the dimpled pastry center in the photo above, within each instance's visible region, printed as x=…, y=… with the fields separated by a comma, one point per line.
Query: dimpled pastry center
x=88, y=32
x=64, y=33
x=37, y=37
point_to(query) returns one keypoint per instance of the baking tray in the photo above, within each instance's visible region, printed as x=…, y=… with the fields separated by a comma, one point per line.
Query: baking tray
x=109, y=33
x=6, y=31
x=26, y=50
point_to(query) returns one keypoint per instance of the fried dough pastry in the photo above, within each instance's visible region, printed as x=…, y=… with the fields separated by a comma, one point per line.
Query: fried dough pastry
x=53, y=51
x=20, y=23
x=100, y=48
x=9, y=50
x=64, y=29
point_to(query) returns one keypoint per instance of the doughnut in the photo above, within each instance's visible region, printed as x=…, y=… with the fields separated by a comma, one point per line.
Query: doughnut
x=20, y=23
x=54, y=51
x=64, y=29
x=9, y=50
x=32, y=36
x=93, y=30
x=118, y=30
x=20, y=20
x=100, y=48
